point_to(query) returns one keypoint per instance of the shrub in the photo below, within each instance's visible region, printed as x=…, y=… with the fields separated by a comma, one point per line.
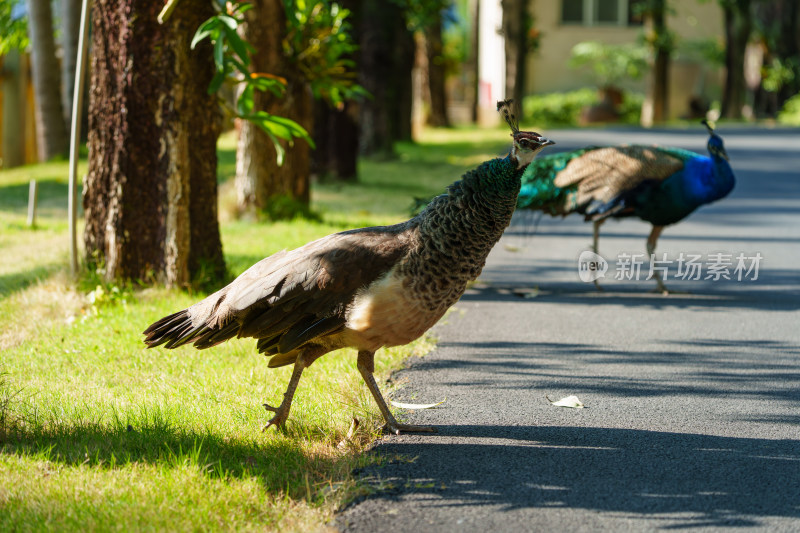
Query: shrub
x=564, y=109
x=558, y=109
x=790, y=114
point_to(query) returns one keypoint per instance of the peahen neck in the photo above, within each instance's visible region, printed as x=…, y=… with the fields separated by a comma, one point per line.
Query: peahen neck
x=458, y=229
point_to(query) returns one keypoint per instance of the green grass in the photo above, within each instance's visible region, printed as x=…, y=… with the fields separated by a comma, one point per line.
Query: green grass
x=98, y=433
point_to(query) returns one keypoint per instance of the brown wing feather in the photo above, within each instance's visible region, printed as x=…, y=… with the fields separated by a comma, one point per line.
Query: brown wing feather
x=317, y=280
x=604, y=173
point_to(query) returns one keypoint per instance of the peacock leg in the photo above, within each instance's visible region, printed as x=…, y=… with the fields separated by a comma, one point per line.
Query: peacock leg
x=366, y=365
x=302, y=362
x=595, y=238
x=651, y=248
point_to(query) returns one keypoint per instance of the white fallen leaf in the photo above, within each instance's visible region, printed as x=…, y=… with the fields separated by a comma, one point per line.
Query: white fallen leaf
x=402, y=405
x=569, y=401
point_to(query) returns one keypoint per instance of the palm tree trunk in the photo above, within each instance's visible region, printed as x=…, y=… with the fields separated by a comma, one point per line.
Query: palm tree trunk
x=51, y=130
x=514, y=14
x=262, y=184
x=150, y=195
x=436, y=73
x=660, y=85
x=738, y=25
x=70, y=31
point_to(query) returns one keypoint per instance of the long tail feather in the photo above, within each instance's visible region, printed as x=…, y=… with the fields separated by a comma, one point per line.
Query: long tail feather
x=177, y=329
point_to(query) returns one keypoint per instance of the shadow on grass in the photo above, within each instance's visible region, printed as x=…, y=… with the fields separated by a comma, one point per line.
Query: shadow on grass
x=280, y=464
x=51, y=193
x=17, y=281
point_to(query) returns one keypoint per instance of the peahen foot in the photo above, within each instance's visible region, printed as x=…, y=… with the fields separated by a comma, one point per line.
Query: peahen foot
x=366, y=367
x=281, y=415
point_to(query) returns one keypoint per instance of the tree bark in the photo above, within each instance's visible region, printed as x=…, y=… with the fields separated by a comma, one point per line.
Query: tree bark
x=12, y=90
x=474, y=63
x=70, y=32
x=386, y=61
x=336, y=131
x=150, y=195
x=738, y=26
x=660, y=87
x=778, y=23
x=514, y=15
x=788, y=47
x=260, y=182
x=436, y=73
x=51, y=130
x=336, y=137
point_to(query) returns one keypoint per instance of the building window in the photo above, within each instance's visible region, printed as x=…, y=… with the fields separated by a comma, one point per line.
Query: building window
x=600, y=12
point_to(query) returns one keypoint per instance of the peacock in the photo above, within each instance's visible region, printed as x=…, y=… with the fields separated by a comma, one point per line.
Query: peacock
x=657, y=184
x=364, y=288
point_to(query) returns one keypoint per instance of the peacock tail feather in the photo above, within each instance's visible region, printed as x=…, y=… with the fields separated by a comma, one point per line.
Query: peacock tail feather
x=539, y=191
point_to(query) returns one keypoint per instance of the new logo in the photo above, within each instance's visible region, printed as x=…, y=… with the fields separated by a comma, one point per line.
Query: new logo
x=591, y=266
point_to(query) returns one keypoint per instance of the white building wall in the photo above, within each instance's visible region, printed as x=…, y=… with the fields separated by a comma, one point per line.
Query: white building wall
x=491, y=61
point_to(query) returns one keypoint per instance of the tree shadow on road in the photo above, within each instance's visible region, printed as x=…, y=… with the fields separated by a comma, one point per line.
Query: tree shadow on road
x=681, y=480
x=783, y=293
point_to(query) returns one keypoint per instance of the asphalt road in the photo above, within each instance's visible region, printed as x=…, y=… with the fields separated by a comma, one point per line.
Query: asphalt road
x=692, y=417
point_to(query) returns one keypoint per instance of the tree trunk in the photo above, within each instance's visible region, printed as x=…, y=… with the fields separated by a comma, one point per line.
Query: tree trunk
x=514, y=14
x=292, y=179
x=150, y=196
x=51, y=130
x=738, y=25
x=261, y=184
x=70, y=32
x=336, y=137
x=788, y=47
x=386, y=61
x=660, y=87
x=475, y=10
x=436, y=74
x=336, y=131
x=12, y=91
x=401, y=88
x=778, y=22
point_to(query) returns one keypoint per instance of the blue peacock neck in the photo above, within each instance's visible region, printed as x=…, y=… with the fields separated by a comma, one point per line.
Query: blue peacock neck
x=707, y=179
x=722, y=180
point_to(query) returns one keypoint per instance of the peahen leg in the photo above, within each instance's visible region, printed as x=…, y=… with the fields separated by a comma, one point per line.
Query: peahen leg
x=651, y=248
x=595, y=238
x=366, y=365
x=302, y=362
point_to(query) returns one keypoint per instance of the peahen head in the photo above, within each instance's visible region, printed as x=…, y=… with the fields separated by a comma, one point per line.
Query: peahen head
x=526, y=143
x=715, y=145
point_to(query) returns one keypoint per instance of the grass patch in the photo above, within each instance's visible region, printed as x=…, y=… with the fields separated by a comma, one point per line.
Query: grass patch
x=96, y=432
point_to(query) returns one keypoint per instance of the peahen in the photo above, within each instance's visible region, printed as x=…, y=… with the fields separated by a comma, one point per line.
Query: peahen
x=656, y=184
x=365, y=288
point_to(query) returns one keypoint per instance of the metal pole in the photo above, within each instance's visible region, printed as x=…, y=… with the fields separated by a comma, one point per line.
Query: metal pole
x=75, y=141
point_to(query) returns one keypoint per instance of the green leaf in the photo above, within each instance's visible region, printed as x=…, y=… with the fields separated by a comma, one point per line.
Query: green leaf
x=266, y=121
x=216, y=82
x=237, y=44
x=245, y=103
x=207, y=28
x=272, y=85
x=219, y=55
x=241, y=67
x=279, y=150
x=229, y=21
